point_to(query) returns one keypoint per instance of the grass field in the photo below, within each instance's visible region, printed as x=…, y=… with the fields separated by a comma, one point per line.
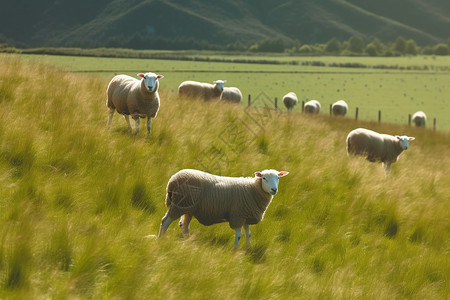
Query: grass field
x=396, y=93
x=77, y=199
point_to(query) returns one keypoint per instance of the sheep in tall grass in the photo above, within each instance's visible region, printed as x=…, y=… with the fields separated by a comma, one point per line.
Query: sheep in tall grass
x=290, y=100
x=201, y=90
x=231, y=94
x=214, y=199
x=339, y=108
x=419, y=118
x=312, y=107
x=375, y=147
x=138, y=98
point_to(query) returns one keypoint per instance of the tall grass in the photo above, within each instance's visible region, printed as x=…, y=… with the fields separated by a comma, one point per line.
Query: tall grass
x=77, y=200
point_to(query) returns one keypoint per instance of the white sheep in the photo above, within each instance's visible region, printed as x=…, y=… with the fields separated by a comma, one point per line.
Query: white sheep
x=138, y=98
x=214, y=199
x=374, y=146
x=339, y=108
x=312, y=107
x=290, y=100
x=202, y=90
x=231, y=94
x=419, y=118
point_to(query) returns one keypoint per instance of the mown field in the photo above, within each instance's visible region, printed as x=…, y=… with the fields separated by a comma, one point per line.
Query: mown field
x=396, y=92
x=77, y=200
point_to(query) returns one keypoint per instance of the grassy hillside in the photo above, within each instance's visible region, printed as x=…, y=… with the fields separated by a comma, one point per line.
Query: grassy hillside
x=77, y=200
x=201, y=24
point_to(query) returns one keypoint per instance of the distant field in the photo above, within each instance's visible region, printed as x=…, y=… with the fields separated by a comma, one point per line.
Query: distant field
x=396, y=93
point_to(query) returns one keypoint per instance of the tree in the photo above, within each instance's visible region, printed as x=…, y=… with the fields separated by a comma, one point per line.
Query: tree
x=441, y=49
x=379, y=46
x=400, y=45
x=333, y=46
x=371, y=50
x=411, y=48
x=356, y=44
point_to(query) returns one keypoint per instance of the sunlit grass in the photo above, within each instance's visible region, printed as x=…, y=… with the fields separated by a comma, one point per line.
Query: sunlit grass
x=77, y=200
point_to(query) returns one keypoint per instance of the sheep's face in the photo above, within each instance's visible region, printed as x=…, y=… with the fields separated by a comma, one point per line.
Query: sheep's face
x=220, y=84
x=269, y=180
x=150, y=80
x=404, y=141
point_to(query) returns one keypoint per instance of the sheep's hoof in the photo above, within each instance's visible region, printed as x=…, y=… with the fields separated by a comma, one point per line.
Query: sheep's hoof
x=151, y=236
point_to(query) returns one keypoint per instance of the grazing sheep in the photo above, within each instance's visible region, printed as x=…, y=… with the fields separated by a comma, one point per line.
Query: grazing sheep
x=339, y=108
x=214, y=199
x=377, y=147
x=312, y=107
x=231, y=94
x=205, y=91
x=130, y=96
x=419, y=118
x=290, y=100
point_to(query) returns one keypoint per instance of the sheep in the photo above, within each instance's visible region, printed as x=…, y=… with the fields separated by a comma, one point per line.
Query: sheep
x=231, y=94
x=375, y=147
x=290, y=100
x=419, y=118
x=339, y=108
x=214, y=199
x=312, y=107
x=130, y=96
x=205, y=91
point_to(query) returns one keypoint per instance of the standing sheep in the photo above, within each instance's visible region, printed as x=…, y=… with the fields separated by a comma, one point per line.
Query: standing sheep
x=419, y=118
x=374, y=146
x=339, y=108
x=205, y=91
x=312, y=107
x=231, y=94
x=130, y=96
x=214, y=199
x=290, y=100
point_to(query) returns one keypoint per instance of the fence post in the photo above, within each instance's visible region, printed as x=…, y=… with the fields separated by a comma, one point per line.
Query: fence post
x=409, y=120
x=379, y=116
x=303, y=106
x=331, y=110
x=434, y=124
x=356, y=113
x=249, y=100
x=276, y=103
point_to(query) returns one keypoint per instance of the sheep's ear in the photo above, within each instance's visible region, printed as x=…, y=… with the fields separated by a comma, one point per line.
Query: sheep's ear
x=412, y=138
x=397, y=137
x=283, y=173
x=159, y=76
x=258, y=174
x=141, y=75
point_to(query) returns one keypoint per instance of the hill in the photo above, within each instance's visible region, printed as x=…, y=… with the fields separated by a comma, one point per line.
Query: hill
x=196, y=24
x=77, y=199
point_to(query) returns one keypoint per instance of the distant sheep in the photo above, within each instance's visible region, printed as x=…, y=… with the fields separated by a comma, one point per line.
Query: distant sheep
x=290, y=100
x=231, y=94
x=214, y=199
x=419, y=118
x=339, y=108
x=312, y=107
x=130, y=96
x=377, y=147
x=201, y=90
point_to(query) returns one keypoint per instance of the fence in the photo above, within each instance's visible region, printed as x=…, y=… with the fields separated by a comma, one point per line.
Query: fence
x=331, y=112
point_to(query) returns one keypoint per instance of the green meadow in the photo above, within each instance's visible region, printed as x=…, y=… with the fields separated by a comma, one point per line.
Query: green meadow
x=416, y=83
x=77, y=199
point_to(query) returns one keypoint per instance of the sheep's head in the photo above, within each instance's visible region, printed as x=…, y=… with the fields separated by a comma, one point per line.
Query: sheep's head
x=269, y=180
x=220, y=84
x=150, y=80
x=404, y=141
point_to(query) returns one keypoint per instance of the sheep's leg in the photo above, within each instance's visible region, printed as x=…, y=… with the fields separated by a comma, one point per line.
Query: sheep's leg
x=388, y=167
x=111, y=113
x=237, y=237
x=136, y=125
x=165, y=222
x=127, y=118
x=149, y=120
x=247, y=234
x=184, y=224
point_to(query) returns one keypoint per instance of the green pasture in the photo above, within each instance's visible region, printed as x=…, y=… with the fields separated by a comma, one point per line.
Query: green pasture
x=396, y=93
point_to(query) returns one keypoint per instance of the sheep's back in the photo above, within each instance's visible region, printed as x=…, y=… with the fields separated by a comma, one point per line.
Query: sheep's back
x=118, y=92
x=193, y=89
